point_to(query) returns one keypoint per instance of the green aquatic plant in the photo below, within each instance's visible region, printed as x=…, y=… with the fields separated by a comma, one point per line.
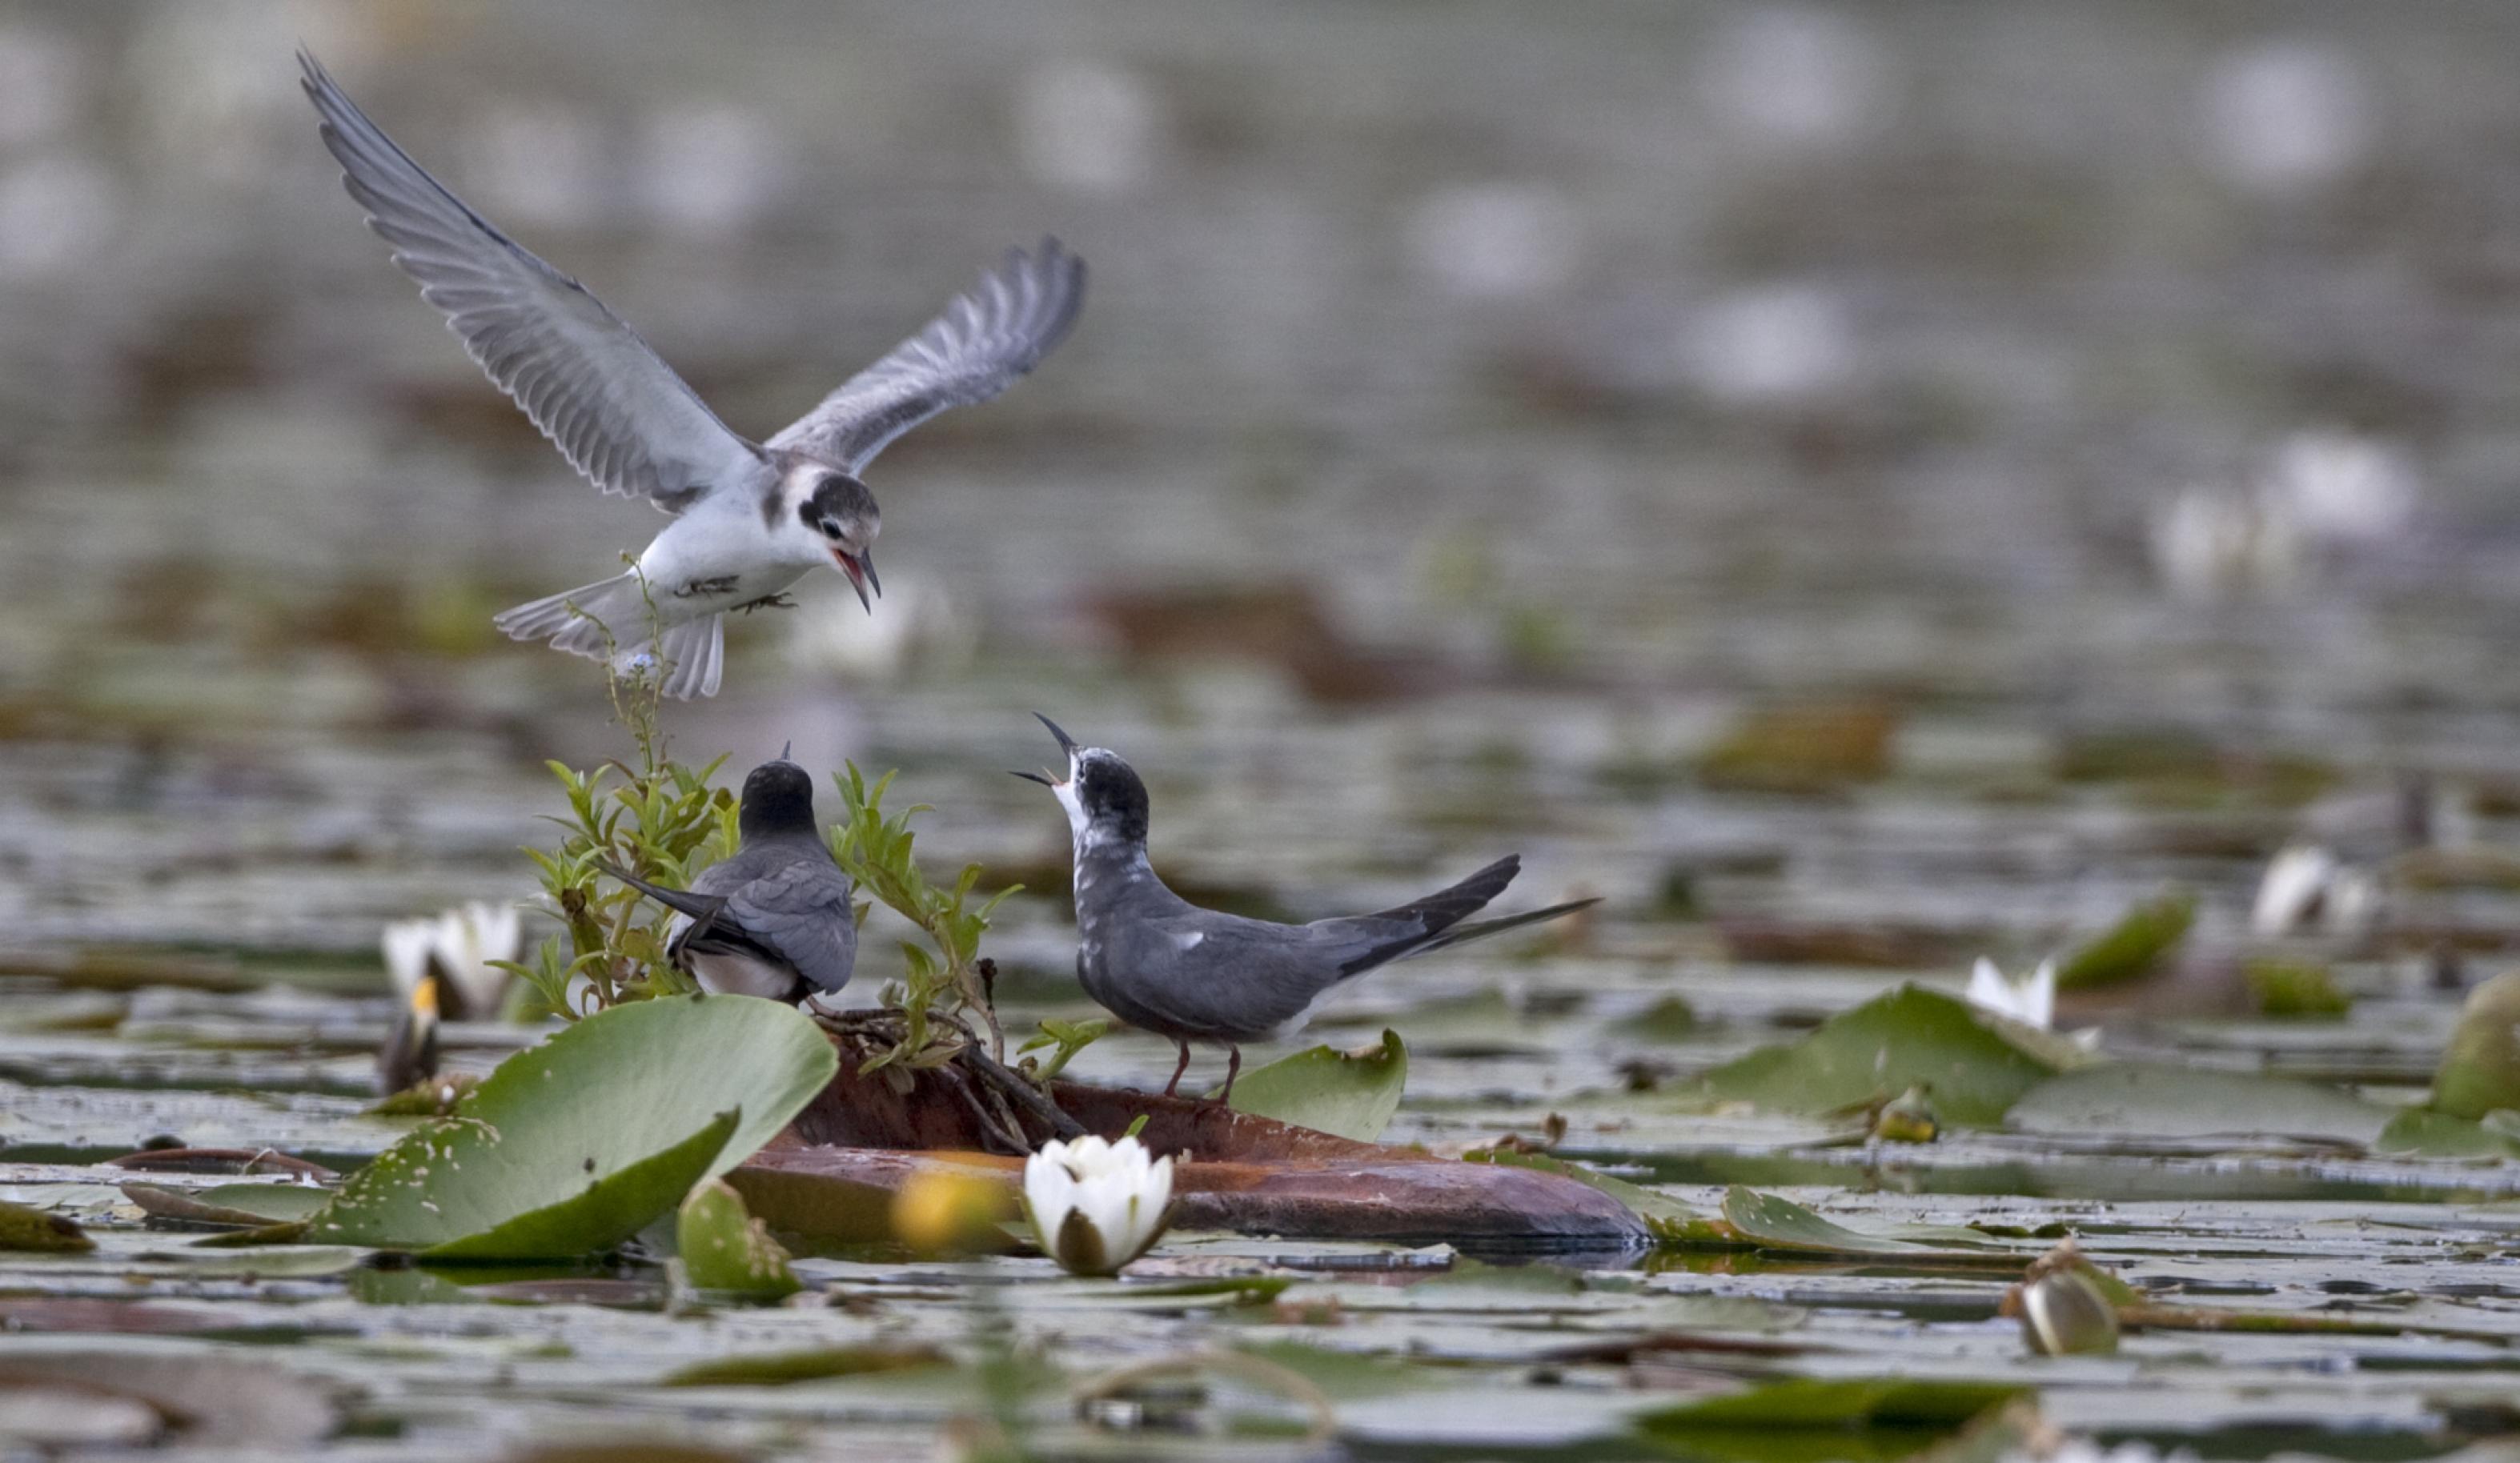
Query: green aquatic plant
x=943, y=976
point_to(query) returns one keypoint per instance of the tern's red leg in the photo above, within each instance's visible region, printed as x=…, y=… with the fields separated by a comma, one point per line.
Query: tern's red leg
x=1233, y=1069
x=1178, y=1068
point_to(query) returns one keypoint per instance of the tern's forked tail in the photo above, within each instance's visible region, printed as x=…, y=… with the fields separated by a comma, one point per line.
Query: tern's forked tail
x=612, y=620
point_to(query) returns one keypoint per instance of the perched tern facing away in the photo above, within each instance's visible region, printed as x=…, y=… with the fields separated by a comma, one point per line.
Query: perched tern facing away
x=773, y=919
x=1165, y=965
x=749, y=518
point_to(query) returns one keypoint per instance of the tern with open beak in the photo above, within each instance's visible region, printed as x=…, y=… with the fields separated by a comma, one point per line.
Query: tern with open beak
x=1165, y=965
x=749, y=518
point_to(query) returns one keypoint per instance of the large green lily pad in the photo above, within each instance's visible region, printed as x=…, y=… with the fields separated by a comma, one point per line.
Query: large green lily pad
x=576, y=1144
x=1352, y=1095
x=1974, y=1064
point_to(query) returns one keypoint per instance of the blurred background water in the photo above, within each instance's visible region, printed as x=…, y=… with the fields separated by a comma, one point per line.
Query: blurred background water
x=2093, y=425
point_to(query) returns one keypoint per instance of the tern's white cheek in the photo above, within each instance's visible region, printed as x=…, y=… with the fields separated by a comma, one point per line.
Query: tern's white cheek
x=1067, y=792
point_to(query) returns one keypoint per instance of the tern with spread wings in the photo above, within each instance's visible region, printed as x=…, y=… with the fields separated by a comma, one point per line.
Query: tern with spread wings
x=749, y=518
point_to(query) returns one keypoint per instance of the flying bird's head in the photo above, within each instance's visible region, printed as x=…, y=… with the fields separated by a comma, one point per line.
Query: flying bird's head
x=778, y=798
x=1101, y=792
x=838, y=509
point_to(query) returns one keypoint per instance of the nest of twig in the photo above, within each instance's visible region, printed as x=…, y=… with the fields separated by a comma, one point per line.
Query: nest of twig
x=952, y=1094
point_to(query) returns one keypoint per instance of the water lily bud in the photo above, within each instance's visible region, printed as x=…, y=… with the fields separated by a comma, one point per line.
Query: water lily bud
x=2481, y=1068
x=1910, y=1119
x=944, y=1209
x=2062, y=1310
x=1097, y=1206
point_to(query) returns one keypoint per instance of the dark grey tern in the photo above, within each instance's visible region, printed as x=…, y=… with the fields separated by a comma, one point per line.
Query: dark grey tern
x=775, y=919
x=749, y=518
x=1165, y=965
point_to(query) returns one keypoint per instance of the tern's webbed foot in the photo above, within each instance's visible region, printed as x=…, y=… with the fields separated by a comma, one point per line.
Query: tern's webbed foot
x=766, y=601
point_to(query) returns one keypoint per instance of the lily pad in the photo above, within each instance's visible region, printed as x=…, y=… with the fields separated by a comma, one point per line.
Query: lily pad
x=725, y=1249
x=248, y=1205
x=2133, y=945
x=781, y=1368
x=2435, y=1135
x=1975, y=1065
x=1351, y=1094
x=1768, y=1221
x=23, y=1228
x=576, y=1144
x=1668, y=1219
x=1825, y=1418
x=2140, y=1099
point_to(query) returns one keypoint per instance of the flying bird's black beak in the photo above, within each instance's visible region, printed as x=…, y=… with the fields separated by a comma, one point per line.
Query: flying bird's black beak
x=859, y=571
x=1031, y=777
x=1066, y=743
x=866, y=561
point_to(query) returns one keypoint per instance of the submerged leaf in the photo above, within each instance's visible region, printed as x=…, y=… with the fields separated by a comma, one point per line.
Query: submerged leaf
x=573, y=1145
x=725, y=1249
x=1351, y=1094
x=2135, y=1099
x=1812, y=1403
x=1972, y=1064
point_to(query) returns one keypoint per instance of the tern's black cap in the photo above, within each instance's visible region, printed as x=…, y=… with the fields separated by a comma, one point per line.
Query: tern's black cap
x=778, y=798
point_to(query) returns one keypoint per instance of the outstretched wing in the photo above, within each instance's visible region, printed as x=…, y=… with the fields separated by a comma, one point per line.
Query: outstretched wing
x=988, y=337
x=616, y=411
x=802, y=911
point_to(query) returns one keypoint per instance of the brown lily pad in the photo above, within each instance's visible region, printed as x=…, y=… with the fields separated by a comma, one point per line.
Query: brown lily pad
x=1237, y=1171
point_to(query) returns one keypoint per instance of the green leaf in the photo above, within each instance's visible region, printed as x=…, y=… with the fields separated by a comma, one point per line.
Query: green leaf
x=1770, y=1222
x=1350, y=1094
x=23, y=1228
x=604, y=1212
x=597, y=1101
x=2123, y=1099
x=724, y=1248
x=2479, y=1070
x=1674, y=1224
x=2130, y=947
x=1973, y=1064
x=2431, y=1134
x=249, y=1205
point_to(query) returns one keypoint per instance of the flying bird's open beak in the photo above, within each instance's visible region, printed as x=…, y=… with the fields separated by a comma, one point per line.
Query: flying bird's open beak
x=1041, y=778
x=858, y=572
x=866, y=561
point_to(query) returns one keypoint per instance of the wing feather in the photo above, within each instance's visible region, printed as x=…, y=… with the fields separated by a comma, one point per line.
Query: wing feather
x=973, y=349
x=619, y=414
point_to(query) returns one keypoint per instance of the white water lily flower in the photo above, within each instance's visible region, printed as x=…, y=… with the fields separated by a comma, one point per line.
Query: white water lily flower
x=2030, y=1001
x=457, y=945
x=1096, y=1205
x=2295, y=881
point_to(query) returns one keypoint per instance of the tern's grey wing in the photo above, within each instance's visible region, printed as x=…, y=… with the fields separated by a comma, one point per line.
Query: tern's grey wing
x=1215, y=976
x=616, y=411
x=988, y=337
x=801, y=910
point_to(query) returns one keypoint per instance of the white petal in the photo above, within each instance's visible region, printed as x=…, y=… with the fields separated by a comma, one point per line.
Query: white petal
x=406, y=944
x=2039, y=996
x=1049, y=1193
x=1987, y=987
x=2294, y=881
